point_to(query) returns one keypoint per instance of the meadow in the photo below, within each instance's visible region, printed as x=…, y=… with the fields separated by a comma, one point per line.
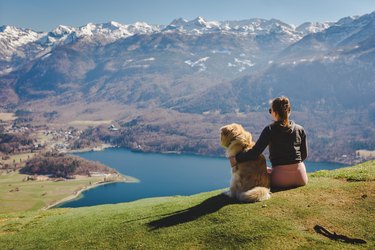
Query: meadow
x=18, y=195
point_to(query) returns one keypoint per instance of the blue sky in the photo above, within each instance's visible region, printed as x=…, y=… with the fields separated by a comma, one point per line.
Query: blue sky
x=44, y=15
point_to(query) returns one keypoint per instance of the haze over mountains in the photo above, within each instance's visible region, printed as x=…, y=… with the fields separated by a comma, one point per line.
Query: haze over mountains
x=202, y=67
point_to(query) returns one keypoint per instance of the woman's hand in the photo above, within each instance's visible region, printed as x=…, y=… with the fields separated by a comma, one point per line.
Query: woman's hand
x=233, y=161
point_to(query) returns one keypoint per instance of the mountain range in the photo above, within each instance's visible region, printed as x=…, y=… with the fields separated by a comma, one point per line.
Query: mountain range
x=202, y=67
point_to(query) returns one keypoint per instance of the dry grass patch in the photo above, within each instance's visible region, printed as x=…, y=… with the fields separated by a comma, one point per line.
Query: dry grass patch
x=18, y=158
x=90, y=123
x=7, y=116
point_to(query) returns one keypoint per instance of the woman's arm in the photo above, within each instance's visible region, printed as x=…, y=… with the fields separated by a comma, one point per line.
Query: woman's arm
x=259, y=147
x=304, y=149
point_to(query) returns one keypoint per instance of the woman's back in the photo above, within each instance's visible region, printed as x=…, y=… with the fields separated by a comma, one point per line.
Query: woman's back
x=287, y=145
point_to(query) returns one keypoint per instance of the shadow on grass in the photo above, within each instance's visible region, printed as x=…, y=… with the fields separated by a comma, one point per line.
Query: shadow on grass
x=338, y=237
x=208, y=206
x=282, y=189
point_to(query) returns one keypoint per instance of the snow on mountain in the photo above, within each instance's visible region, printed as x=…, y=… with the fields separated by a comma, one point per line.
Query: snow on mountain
x=20, y=45
x=199, y=63
x=198, y=25
x=200, y=22
x=258, y=37
x=346, y=20
x=102, y=33
x=116, y=30
x=60, y=35
x=143, y=28
x=256, y=26
x=12, y=38
x=347, y=34
x=241, y=64
x=25, y=43
x=359, y=29
x=349, y=30
x=61, y=31
x=313, y=27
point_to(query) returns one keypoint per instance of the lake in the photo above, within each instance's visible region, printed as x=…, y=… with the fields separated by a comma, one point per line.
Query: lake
x=161, y=175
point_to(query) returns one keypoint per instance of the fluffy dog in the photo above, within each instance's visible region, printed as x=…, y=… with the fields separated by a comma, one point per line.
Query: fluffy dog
x=250, y=181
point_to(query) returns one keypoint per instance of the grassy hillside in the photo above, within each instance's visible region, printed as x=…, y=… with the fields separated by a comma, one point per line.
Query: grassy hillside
x=17, y=195
x=340, y=201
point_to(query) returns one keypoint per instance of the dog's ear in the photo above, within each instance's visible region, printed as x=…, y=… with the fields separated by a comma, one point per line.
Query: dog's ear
x=226, y=130
x=226, y=135
x=232, y=130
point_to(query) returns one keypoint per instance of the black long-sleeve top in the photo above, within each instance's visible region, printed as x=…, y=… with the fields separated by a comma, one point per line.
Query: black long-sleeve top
x=287, y=145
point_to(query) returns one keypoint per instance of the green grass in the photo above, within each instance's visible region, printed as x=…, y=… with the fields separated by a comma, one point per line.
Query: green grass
x=17, y=195
x=210, y=221
x=363, y=172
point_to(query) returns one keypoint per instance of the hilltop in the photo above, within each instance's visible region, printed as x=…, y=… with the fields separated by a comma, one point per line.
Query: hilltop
x=341, y=201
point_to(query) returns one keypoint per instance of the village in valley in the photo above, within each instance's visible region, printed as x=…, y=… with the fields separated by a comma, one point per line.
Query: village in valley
x=37, y=167
x=21, y=141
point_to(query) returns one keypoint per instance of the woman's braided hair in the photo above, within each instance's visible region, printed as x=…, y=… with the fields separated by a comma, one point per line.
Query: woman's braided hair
x=281, y=106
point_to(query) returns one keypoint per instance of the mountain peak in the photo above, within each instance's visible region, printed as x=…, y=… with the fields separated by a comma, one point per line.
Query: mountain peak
x=62, y=30
x=346, y=20
x=115, y=24
x=3, y=28
x=313, y=27
x=196, y=25
x=9, y=28
x=178, y=22
x=199, y=20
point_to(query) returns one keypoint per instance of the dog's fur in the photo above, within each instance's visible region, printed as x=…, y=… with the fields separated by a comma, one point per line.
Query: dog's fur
x=250, y=181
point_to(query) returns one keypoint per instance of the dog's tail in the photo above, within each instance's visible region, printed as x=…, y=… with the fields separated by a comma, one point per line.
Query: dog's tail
x=256, y=194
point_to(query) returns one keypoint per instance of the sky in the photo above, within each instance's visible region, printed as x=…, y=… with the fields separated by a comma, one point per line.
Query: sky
x=45, y=15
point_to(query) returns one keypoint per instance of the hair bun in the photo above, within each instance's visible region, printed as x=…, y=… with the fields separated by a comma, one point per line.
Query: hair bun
x=281, y=105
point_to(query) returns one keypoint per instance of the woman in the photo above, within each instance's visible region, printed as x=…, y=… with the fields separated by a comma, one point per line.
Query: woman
x=287, y=147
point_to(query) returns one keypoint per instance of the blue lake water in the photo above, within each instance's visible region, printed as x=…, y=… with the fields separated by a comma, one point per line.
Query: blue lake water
x=161, y=175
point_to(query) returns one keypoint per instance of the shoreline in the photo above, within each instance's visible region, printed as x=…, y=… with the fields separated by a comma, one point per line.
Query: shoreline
x=208, y=155
x=106, y=146
x=92, y=149
x=123, y=178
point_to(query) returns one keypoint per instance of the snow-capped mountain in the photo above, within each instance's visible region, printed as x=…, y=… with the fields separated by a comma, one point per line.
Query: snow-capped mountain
x=165, y=64
x=25, y=43
x=112, y=31
x=12, y=40
x=101, y=33
x=256, y=26
x=312, y=27
x=345, y=35
x=350, y=30
x=18, y=46
x=197, y=26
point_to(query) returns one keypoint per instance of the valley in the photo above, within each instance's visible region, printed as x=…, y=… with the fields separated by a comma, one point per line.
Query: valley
x=169, y=88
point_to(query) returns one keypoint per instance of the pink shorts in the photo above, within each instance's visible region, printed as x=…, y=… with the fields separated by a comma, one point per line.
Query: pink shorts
x=292, y=175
